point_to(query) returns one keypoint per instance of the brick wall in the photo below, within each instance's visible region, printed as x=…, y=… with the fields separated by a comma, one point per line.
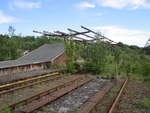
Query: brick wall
x=61, y=59
x=24, y=68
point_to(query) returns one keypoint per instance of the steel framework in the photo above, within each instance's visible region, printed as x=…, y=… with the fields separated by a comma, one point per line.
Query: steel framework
x=147, y=43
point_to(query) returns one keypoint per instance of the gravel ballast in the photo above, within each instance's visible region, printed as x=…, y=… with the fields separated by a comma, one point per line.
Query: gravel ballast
x=72, y=101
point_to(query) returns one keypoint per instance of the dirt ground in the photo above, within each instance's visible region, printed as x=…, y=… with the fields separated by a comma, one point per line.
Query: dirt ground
x=135, y=98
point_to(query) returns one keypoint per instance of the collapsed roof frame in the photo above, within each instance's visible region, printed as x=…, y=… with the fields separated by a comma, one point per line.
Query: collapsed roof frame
x=147, y=43
x=75, y=34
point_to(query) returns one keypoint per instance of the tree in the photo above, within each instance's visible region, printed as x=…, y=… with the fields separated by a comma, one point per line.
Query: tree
x=71, y=52
x=11, y=31
x=96, y=57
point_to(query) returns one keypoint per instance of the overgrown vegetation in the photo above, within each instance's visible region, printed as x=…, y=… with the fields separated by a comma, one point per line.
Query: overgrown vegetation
x=13, y=47
x=107, y=60
x=95, y=58
x=146, y=103
x=99, y=58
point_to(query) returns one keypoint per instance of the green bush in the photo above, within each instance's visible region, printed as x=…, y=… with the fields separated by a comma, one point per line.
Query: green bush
x=146, y=70
x=95, y=58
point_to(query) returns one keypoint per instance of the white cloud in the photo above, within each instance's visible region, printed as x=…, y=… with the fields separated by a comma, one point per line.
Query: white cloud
x=25, y=4
x=6, y=19
x=84, y=5
x=120, y=4
x=127, y=36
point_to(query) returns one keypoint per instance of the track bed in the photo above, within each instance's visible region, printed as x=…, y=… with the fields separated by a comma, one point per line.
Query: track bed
x=136, y=98
x=65, y=94
x=131, y=100
x=71, y=102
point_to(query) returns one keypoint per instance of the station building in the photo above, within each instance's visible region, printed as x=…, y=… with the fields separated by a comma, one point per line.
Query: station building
x=37, y=59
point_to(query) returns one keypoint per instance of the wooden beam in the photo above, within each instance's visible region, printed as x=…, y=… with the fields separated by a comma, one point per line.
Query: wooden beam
x=82, y=33
x=103, y=37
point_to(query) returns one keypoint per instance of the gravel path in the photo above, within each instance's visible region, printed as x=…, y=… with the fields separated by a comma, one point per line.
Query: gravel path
x=72, y=101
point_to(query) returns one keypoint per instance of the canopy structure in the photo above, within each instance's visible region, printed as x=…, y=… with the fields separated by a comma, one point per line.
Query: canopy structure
x=147, y=43
x=78, y=36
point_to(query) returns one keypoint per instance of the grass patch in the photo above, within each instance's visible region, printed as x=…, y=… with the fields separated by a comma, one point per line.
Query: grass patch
x=145, y=104
x=115, y=89
x=5, y=110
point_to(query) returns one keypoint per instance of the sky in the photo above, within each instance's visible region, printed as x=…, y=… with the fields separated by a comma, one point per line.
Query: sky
x=126, y=21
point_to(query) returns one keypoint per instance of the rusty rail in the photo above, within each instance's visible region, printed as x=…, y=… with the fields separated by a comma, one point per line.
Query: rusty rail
x=31, y=107
x=29, y=85
x=27, y=80
x=43, y=93
x=92, y=102
x=117, y=97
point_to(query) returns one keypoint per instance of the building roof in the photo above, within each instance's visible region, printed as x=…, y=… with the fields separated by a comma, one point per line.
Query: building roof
x=45, y=53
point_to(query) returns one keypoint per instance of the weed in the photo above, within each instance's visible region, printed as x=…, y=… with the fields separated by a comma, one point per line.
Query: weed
x=115, y=89
x=145, y=104
x=5, y=110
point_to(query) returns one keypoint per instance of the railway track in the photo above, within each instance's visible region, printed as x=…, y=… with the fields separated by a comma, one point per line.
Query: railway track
x=54, y=96
x=91, y=102
x=35, y=103
x=71, y=102
x=26, y=81
x=108, y=106
x=12, y=90
x=25, y=101
x=116, y=100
